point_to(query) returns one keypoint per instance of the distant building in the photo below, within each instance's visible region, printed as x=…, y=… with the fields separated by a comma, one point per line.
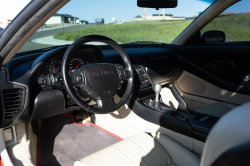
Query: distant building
x=99, y=21
x=161, y=15
x=61, y=19
x=74, y=20
x=138, y=16
x=83, y=22
x=4, y=24
x=157, y=17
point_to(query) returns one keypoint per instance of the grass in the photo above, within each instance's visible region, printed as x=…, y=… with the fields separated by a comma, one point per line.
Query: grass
x=164, y=32
x=236, y=27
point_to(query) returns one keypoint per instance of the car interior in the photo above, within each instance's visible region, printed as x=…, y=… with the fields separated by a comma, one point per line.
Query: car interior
x=180, y=104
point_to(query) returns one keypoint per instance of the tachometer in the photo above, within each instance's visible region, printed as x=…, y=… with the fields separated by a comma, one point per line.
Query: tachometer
x=74, y=64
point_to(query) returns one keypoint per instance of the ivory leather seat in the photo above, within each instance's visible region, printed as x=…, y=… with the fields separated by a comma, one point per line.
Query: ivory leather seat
x=227, y=142
x=142, y=150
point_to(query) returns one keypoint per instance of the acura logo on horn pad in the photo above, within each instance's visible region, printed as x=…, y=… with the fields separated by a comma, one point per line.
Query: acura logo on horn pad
x=99, y=73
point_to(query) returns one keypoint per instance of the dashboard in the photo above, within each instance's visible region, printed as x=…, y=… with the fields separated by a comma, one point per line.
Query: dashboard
x=151, y=65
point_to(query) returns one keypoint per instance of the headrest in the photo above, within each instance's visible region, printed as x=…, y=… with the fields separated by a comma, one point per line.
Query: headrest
x=231, y=131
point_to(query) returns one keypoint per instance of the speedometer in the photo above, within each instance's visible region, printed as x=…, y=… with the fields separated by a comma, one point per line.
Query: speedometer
x=74, y=64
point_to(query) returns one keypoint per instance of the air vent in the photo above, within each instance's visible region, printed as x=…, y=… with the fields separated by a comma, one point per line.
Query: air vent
x=13, y=101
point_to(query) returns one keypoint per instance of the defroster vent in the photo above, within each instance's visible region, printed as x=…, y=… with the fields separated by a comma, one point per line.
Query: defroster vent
x=13, y=101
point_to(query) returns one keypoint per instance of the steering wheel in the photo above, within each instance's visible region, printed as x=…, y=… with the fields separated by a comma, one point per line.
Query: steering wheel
x=99, y=81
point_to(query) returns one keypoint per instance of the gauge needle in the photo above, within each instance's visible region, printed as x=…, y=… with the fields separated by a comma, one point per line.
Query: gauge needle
x=57, y=69
x=76, y=67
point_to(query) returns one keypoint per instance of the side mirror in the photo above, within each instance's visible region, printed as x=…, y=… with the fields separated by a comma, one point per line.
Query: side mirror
x=213, y=37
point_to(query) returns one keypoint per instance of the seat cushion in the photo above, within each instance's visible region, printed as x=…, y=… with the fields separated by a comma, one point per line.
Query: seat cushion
x=180, y=155
x=141, y=150
x=215, y=109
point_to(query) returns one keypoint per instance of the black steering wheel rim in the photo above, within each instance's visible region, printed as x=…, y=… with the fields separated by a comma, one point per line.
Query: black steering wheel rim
x=105, y=104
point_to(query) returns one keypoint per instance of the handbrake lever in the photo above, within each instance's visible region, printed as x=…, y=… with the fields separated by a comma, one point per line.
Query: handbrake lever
x=182, y=104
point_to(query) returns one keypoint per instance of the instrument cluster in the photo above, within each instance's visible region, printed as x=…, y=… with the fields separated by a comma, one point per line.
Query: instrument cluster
x=54, y=66
x=50, y=74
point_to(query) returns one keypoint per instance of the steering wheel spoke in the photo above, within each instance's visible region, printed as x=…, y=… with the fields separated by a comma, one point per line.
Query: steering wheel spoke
x=124, y=73
x=106, y=103
x=77, y=79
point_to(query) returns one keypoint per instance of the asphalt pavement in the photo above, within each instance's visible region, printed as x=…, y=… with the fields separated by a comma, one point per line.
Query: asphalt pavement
x=29, y=45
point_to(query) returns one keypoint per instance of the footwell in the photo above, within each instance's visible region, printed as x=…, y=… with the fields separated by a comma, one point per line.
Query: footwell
x=61, y=141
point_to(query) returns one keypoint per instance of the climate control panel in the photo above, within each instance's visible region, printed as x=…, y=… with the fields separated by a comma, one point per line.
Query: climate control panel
x=141, y=78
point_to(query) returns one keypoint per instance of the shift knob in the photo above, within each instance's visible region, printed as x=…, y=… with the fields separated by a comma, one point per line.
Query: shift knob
x=157, y=91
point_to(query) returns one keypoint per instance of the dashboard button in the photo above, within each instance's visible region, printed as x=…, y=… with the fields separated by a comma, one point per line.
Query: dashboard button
x=79, y=78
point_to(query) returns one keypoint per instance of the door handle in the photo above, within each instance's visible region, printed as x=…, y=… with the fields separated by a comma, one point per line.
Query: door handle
x=230, y=69
x=241, y=74
x=223, y=68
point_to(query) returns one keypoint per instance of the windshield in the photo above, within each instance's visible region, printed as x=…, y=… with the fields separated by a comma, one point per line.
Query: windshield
x=8, y=11
x=122, y=21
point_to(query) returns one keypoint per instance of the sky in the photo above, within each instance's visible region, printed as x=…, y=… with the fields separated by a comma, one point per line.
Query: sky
x=126, y=10
x=242, y=6
x=123, y=10
x=10, y=8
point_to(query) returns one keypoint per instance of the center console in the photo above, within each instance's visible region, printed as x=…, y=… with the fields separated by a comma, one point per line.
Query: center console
x=146, y=103
x=189, y=123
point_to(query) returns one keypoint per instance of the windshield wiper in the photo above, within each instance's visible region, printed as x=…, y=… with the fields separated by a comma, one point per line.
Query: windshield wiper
x=145, y=42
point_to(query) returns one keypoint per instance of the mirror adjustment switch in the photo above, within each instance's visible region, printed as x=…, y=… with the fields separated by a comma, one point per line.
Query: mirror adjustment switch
x=7, y=134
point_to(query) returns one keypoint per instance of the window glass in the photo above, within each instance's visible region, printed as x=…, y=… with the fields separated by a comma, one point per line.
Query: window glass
x=120, y=20
x=9, y=9
x=234, y=22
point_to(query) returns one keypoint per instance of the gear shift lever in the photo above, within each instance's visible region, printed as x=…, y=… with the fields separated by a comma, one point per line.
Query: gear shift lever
x=157, y=104
x=157, y=89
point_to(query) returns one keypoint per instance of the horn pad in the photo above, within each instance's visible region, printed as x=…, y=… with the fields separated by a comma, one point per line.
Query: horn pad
x=101, y=80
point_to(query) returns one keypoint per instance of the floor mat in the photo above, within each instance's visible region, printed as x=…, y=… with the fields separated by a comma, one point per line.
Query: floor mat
x=61, y=141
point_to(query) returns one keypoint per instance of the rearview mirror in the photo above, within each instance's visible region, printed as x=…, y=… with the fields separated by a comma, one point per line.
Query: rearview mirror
x=213, y=37
x=157, y=3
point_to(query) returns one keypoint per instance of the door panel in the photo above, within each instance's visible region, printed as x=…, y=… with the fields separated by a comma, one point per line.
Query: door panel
x=222, y=65
x=224, y=69
x=210, y=91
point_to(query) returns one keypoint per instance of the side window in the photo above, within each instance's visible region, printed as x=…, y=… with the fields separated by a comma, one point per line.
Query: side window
x=234, y=22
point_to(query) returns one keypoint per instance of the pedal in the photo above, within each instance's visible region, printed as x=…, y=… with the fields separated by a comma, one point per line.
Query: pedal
x=78, y=116
x=92, y=118
x=84, y=113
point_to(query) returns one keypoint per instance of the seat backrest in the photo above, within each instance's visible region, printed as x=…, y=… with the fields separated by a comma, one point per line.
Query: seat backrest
x=229, y=140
